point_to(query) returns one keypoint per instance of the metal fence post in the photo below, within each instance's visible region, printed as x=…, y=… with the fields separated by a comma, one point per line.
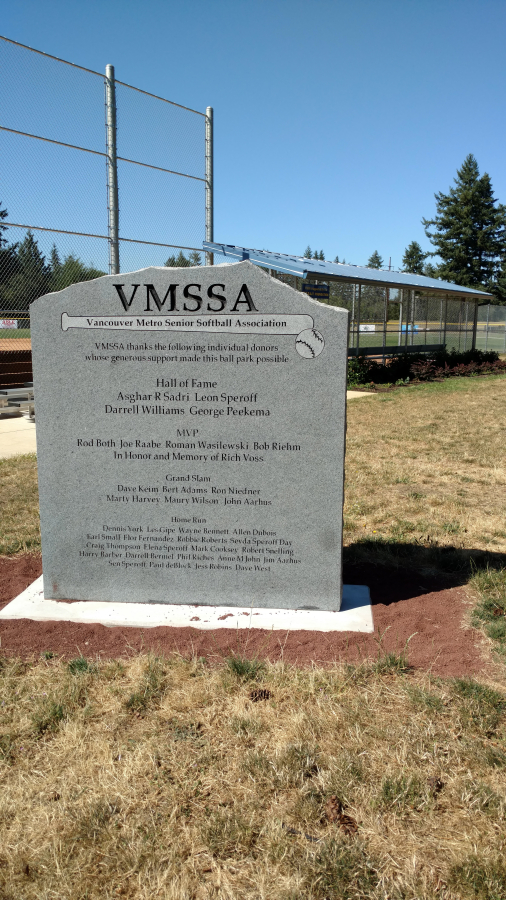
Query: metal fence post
x=385, y=320
x=475, y=326
x=209, y=183
x=351, y=342
x=358, y=317
x=401, y=299
x=112, y=171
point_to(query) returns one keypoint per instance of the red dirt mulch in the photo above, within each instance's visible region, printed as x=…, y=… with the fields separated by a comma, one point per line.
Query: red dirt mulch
x=403, y=602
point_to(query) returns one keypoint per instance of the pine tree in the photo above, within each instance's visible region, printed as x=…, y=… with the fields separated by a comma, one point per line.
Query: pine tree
x=9, y=267
x=499, y=287
x=336, y=259
x=430, y=270
x=469, y=229
x=308, y=253
x=55, y=265
x=33, y=277
x=71, y=271
x=321, y=256
x=3, y=215
x=9, y=263
x=55, y=261
x=375, y=261
x=182, y=262
x=414, y=259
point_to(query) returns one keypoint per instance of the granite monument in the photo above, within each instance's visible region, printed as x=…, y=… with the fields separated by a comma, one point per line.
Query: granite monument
x=190, y=439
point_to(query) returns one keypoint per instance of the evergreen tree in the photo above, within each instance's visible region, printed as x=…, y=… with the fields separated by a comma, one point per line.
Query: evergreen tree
x=182, y=262
x=54, y=259
x=499, y=287
x=469, y=229
x=414, y=259
x=33, y=277
x=320, y=256
x=336, y=259
x=9, y=264
x=375, y=261
x=308, y=253
x=71, y=271
x=3, y=215
x=430, y=270
x=55, y=265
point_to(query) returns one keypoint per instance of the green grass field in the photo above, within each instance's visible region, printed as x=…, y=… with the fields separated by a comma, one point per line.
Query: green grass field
x=13, y=333
x=493, y=341
x=453, y=340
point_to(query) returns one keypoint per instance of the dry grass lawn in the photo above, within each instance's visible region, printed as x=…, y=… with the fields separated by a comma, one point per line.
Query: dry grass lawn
x=164, y=779
x=170, y=780
x=428, y=464
x=19, y=505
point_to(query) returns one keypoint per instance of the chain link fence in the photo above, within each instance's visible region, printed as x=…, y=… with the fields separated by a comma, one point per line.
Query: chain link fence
x=55, y=217
x=388, y=321
x=491, y=328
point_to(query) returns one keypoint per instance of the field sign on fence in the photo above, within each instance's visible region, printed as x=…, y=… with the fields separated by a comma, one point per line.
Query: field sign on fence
x=316, y=291
x=190, y=439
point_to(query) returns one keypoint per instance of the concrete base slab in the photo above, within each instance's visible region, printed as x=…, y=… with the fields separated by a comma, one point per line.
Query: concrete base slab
x=354, y=615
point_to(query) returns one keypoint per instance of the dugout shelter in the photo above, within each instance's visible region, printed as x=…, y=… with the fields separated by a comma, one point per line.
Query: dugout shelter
x=390, y=312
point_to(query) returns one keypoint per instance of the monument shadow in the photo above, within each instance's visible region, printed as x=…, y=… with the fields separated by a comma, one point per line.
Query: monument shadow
x=398, y=571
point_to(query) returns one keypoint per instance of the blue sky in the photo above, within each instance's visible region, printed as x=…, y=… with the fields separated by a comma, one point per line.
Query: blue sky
x=335, y=121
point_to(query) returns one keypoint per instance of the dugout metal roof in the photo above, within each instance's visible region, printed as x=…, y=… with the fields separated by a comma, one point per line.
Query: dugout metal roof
x=327, y=271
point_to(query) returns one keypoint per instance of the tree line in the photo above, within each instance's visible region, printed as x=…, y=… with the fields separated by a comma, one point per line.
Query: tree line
x=468, y=233
x=26, y=274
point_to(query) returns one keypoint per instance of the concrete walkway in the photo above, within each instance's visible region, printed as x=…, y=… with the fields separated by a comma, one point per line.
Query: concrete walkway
x=354, y=395
x=17, y=436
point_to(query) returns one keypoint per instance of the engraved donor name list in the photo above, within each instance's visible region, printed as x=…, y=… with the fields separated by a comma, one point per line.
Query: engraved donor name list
x=190, y=439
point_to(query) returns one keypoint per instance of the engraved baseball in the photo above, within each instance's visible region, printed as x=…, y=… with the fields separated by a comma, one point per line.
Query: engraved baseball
x=309, y=343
